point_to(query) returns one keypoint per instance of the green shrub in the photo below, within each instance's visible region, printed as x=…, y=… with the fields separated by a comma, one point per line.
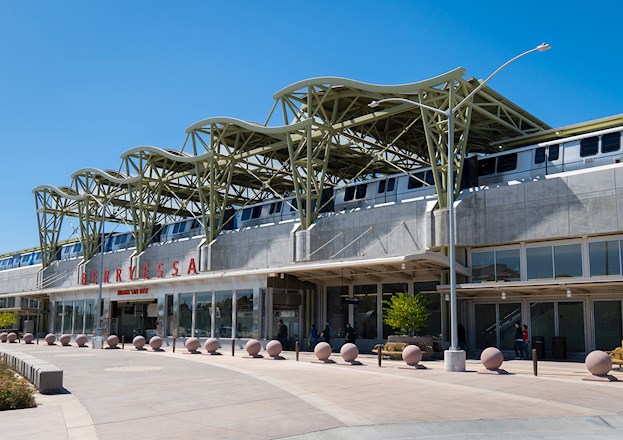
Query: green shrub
x=15, y=392
x=406, y=313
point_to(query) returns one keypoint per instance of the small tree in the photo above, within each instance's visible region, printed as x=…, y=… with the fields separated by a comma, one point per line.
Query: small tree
x=409, y=314
x=8, y=318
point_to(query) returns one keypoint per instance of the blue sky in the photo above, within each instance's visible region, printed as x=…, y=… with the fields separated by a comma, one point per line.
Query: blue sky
x=81, y=82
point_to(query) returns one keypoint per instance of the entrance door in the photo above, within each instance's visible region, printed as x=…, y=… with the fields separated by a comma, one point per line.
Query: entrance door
x=136, y=318
x=291, y=318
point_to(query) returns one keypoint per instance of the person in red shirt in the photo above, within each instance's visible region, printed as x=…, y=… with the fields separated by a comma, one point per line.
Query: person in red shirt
x=524, y=336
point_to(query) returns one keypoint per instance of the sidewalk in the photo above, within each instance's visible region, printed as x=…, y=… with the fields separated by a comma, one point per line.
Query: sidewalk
x=145, y=395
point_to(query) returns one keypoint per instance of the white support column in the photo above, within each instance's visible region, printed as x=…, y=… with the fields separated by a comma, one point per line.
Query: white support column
x=379, y=311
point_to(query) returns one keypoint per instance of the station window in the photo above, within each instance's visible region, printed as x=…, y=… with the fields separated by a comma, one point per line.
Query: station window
x=499, y=265
x=588, y=146
x=507, y=162
x=610, y=142
x=605, y=257
x=560, y=261
x=486, y=166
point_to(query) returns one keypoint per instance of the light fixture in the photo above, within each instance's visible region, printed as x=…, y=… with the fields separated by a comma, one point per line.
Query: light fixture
x=569, y=293
x=543, y=47
x=403, y=266
x=503, y=295
x=447, y=297
x=282, y=275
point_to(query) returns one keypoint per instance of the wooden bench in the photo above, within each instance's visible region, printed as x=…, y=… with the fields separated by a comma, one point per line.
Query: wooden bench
x=617, y=356
x=394, y=349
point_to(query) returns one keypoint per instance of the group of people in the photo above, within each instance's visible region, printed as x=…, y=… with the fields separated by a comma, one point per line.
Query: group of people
x=521, y=341
x=327, y=334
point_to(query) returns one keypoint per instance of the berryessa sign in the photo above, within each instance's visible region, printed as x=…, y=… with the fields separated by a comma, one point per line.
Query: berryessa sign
x=146, y=272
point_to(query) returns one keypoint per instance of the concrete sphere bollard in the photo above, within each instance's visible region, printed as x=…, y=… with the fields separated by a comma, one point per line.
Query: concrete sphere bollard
x=139, y=342
x=4, y=336
x=323, y=351
x=212, y=345
x=492, y=358
x=155, y=342
x=12, y=337
x=28, y=337
x=65, y=339
x=412, y=355
x=112, y=341
x=598, y=363
x=192, y=344
x=253, y=347
x=349, y=352
x=81, y=340
x=274, y=348
x=50, y=338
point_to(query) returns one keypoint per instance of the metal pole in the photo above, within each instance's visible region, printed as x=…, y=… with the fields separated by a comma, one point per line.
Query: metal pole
x=98, y=314
x=297, y=347
x=535, y=361
x=454, y=340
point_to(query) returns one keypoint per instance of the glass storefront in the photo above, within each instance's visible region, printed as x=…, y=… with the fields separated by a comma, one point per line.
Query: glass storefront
x=79, y=317
x=203, y=315
x=223, y=314
x=608, y=324
x=68, y=316
x=244, y=313
x=89, y=310
x=337, y=310
x=185, y=315
x=365, y=311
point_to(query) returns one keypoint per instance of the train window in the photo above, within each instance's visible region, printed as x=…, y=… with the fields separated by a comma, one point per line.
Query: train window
x=486, y=166
x=77, y=247
x=416, y=181
x=294, y=206
x=430, y=178
x=539, y=155
x=588, y=146
x=507, y=162
x=349, y=194
x=361, y=191
x=246, y=214
x=381, y=189
x=257, y=211
x=553, y=152
x=275, y=208
x=610, y=142
x=391, y=184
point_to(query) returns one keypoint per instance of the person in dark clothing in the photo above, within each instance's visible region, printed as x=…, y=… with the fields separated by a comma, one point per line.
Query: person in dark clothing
x=349, y=336
x=282, y=334
x=518, y=341
x=313, y=337
x=326, y=334
x=461, y=337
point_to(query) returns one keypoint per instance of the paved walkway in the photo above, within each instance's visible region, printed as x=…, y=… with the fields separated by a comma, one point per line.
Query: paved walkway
x=114, y=394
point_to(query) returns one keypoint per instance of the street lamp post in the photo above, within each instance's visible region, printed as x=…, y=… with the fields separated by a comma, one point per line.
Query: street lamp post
x=454, y=358
x=97, y=342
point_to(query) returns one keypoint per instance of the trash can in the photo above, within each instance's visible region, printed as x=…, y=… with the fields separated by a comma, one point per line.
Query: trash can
x=538, y=343
x=559, y=347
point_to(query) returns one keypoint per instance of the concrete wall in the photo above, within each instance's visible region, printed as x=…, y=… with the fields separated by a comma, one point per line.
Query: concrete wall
x=573, y=205
x=21, y=279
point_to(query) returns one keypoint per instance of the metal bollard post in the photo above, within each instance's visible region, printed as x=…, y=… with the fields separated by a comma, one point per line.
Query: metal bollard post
x=379, y=355
x=122, y=342
x=297, y=349
x=233, y=347
x=535, y=361
x=174, y=344
x=37, y=340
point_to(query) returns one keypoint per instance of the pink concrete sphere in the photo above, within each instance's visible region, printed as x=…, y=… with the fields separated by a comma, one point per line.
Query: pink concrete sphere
x=155, y=342
x=598, y=363
x=12, y=337
x=491, y=358
x=211, y=345
x=65, y=339
x=253, y=347
x=192, y=344
x=349, y=352
x=323, y=351
x=139, y=342
x=50, y=338
x=28, y=337
x=3, y=336
x=412, y=355
x=81, y=340
x=274, y=348
x=112, y=341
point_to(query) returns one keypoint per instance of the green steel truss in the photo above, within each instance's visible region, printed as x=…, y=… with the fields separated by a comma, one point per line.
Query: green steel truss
x=326, y=135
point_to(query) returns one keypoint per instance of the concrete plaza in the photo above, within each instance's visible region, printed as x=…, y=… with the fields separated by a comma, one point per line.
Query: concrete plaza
x=114, y=394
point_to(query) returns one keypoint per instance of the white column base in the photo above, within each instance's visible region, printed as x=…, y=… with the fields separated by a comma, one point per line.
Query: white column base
x=454, y=360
